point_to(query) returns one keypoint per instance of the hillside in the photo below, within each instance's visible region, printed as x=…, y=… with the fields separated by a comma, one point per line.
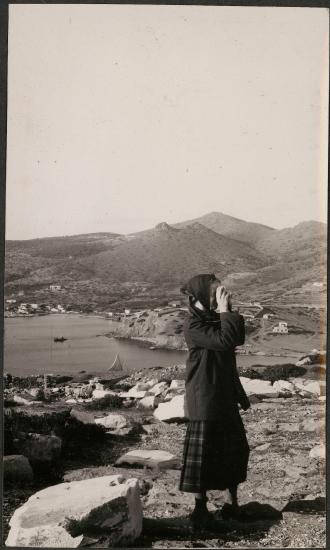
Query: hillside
x=148, y=267
x=234, y=228
x=167, y=254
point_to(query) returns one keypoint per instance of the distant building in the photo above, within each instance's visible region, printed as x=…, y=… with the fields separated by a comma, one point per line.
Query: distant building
x=127, y=311
x=11, y=301
x=175, y=303
x=55, y=287
x=267, y=315
x=281, y=328
x=109, y=314
x=34, y=306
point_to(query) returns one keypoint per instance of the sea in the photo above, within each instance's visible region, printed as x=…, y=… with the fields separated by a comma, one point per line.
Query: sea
x=29, y=347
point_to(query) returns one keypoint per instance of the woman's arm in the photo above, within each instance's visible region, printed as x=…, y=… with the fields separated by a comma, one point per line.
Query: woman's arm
x=225, y=337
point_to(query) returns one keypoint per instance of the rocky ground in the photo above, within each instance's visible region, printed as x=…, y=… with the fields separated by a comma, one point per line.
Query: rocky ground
x=286, y=477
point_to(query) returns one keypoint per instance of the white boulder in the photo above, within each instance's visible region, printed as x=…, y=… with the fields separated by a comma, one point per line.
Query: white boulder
x=60, y=515
x=171, y=410
x=259, y=387
x=112, y=421
x=148, y=457
x=148, y=402
x=318, y=452
x=99, y=394
x=159, y=388
x=283, y=386
x=178, y=385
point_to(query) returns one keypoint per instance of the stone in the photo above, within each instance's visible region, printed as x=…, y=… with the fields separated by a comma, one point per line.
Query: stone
x=82, y=416
x=148, y=457
x=24, y=401
x=99, y=394
x=304, y=361
x=60, y=515
x=135, y=393
x=149, y=402
x=318, y=452
x=178, y=385
x=159, y=388
x=262, y=448
x=113, y=421
x=171, y=410
x=288, y=427
x=315, y=388
x=260, y=387
x=39, y=447
x=17, y=468
x=313, y=425
x=283, y=387
x=37, y=393
x=71, y=400
x=263, y=406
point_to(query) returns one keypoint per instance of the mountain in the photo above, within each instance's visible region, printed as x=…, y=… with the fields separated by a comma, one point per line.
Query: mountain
x=234, y=228
x=167, y=253
x=306, y=238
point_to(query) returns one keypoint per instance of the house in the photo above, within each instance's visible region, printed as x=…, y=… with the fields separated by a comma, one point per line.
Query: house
x=127, y=311
x=281, y=328
x=55, y=287
x=34, y=306
x=175, y=303
x=11, y=301
x=109, y=314
x=267, y=315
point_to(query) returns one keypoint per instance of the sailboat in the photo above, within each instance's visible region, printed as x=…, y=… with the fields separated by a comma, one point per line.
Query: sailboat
x=116, y=365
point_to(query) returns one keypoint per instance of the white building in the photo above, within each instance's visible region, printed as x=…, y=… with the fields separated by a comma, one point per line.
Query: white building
x=281, y=328
x=34, y=306
x=127, y=311
x=55, y=287
x=11, y=301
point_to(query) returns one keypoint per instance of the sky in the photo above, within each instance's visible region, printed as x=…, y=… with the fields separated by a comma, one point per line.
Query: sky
x=121, y=117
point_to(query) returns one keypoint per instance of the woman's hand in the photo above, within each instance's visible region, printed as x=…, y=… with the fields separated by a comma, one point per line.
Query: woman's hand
x=223, y=298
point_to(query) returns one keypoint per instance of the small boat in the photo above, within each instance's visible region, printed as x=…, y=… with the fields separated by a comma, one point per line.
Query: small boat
x=59, y=339
x=116, y=365
x=152, y=347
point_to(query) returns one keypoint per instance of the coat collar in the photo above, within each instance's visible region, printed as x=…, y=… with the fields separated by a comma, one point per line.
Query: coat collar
x=204, y=315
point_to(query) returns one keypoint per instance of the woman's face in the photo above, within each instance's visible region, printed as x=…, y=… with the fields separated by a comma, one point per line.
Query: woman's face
x=213, y=289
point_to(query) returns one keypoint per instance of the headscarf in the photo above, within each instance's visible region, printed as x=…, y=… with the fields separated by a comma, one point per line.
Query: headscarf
x=198, y=288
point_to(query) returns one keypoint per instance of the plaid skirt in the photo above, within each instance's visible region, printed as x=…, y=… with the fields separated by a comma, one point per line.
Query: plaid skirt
x=214, y=456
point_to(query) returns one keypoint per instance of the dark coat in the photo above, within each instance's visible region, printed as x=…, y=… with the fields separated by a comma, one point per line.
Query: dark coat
x=213, y=387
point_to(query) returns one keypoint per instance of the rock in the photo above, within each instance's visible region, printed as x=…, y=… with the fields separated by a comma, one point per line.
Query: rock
x=151, y=383
x=265, y=406
x=17, y=468
x=60, y=515
x=259, y=387
x=288, y=427
x=316, y=388
x=159, y=388
x=312, y=425
x=112, y=421
x=82, y=416
x=178, y=385
x=37, y=393
x=318, y=452
x=99, y=394
x=149, y=457
x=171, y=410
x=283, y=387
x=38, y=447
x=304, y=361
x=262, y=448
x=71, y=400
x=149, y=402
x=24, y=401
x=134, y=393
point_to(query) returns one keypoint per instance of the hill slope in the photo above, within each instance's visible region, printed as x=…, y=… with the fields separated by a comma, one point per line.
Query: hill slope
x=234, y=228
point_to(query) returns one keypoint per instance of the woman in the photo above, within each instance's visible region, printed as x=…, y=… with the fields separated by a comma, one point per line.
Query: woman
x=216, y=451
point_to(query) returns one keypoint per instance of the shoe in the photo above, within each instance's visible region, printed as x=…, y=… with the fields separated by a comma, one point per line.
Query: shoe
x=229, y=511
x=203, y=520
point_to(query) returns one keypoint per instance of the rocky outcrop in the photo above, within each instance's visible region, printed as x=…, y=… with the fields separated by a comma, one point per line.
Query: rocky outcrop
x=62, y=514
x=38, y=447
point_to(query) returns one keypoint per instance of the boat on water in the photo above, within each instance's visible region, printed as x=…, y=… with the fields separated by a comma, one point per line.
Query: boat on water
x=117, y=365
x=152, y=347
x=59, y=339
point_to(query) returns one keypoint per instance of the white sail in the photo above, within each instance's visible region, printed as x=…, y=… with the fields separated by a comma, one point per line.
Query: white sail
x=117, y=364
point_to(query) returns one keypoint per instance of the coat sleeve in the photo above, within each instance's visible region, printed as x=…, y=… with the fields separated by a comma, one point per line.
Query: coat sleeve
x=228, y=335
